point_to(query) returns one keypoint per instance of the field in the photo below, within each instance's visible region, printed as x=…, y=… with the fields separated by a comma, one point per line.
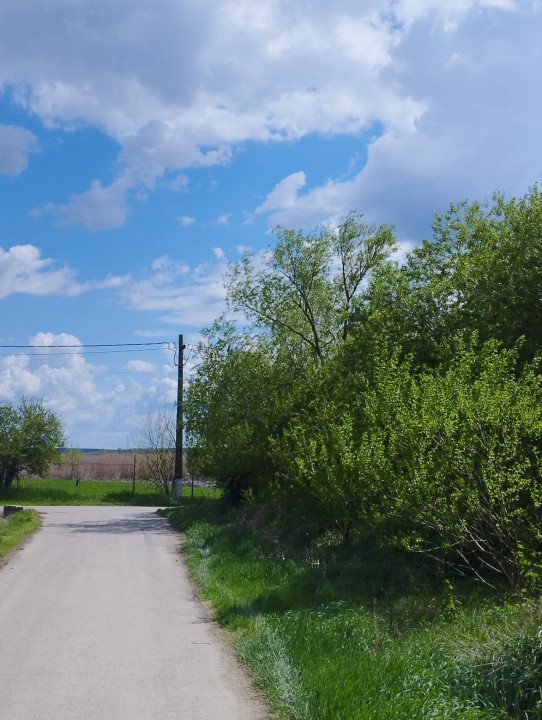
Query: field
x=44, y=491
x=97, y=465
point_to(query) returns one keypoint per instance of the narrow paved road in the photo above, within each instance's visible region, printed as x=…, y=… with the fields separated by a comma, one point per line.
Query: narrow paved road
x=98, y=621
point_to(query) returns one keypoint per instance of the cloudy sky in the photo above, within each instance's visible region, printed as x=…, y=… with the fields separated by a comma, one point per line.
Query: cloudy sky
x=144, y=144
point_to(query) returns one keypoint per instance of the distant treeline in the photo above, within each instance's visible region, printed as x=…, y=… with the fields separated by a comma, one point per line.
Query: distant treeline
x=395, y=396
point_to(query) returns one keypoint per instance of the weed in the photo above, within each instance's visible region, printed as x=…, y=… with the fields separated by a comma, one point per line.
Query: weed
x=16, y=529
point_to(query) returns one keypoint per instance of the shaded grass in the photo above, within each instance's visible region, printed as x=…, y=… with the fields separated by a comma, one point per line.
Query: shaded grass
x=361, y=633
x=15, y=529
x=45, y=491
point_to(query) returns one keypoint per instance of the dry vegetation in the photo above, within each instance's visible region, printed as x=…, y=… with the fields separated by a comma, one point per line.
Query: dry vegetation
x=101, y=465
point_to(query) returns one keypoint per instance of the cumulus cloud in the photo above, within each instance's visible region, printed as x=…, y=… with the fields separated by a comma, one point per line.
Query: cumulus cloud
x=470, y=138
x=96, y=412
x=140, y=366
x=284, y=194
x=16, y=144
x=24, y=270
x=171, y=84
x=183, y=296
x=98, y=208
x=71, y=63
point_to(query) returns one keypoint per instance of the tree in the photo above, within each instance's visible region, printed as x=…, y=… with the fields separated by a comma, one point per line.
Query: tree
x=154, y=439
x=300, y=306
x=310, y=286
x=30, y=438
x=480, y=273
x=239, y=396
x=72, y=459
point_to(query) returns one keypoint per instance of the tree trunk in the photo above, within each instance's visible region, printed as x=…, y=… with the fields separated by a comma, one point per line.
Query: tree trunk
x=9, y=472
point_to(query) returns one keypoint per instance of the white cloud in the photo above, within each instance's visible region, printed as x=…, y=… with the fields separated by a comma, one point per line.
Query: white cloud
x=16, y=144
x=478, y=131
x=98, y=408
x=71, y=63
x=24, y=270
x=183, y=297
x=186, y=220
x=242, y=249
x=98, y=208
x=142, y=366
x=179, y=85
x=284, y=194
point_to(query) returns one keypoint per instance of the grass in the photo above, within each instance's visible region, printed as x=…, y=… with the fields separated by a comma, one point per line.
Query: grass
x=45, y=491
x=360, y=633
x=15, y=529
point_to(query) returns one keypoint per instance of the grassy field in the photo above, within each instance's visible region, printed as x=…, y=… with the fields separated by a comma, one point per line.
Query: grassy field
x=360, y=633
x=44, y=491
x=15, y=529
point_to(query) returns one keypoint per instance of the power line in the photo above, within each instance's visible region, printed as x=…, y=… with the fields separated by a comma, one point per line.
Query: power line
x=116, y=372
x=84, y=345
x=84, y=352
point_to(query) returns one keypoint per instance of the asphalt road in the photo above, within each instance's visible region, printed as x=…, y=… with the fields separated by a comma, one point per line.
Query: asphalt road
x=99, y=621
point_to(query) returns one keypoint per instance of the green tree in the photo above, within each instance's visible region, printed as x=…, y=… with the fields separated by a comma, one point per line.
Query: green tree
x=30, y=438
x=479, y=274
x=310, y=285
x=239, y=396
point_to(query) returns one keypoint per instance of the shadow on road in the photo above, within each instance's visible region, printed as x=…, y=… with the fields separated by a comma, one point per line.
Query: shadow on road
x=138, y=523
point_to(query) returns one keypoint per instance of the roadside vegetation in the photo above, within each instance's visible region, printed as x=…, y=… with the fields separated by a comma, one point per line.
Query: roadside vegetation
x=396, y=399
x=359, y=632
x=15, y=529
x=374, y=420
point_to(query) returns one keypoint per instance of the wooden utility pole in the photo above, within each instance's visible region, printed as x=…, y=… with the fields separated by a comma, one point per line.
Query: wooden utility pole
x=178, y=482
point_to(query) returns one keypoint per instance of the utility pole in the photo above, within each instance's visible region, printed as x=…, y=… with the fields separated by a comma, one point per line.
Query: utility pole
x=178, y=481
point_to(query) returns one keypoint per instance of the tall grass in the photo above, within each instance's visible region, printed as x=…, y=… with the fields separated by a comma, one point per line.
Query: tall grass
x=361, y=633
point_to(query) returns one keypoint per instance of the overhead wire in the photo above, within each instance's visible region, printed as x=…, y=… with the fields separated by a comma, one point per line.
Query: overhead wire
x=85, y=345
x=81, y=349
x=84, y=352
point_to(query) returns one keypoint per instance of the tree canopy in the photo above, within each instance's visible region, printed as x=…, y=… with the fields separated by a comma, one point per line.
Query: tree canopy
x=30, y=438
x=402, y=399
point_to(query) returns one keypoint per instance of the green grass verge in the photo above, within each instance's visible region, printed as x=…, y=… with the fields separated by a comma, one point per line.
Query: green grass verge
x=64, y=492
x=361, y=633
x=16, y=528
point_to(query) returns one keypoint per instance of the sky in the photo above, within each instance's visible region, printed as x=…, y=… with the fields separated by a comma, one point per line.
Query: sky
x=146, y=144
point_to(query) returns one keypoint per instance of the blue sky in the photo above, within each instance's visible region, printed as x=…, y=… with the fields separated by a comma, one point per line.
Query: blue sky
x=146, y=144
